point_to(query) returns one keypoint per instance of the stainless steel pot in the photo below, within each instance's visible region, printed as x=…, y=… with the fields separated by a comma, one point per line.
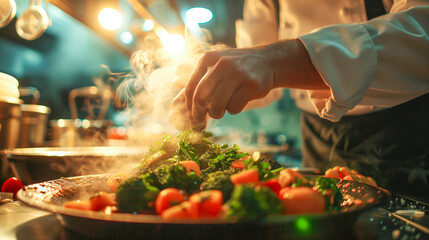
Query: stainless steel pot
x=34, y=120
x=10, y=113
x=78, y=132
x=33, y=165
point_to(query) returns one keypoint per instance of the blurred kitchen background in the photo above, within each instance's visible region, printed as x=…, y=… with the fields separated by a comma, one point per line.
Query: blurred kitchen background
x=76, y=51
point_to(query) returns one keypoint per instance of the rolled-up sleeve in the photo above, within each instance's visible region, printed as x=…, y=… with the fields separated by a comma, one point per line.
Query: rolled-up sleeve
x=383, y=62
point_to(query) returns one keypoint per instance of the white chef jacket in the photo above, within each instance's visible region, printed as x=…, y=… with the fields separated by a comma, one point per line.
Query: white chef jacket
x=368, y=65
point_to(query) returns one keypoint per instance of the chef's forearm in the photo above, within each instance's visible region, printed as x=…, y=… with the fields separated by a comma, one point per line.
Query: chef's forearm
x=292, y=66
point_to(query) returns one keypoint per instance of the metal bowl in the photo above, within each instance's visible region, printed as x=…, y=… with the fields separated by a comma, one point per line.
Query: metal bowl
x=32, y=165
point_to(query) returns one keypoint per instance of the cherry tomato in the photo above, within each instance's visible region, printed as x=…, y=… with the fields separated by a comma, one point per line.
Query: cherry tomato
x=240, y=163
x=209, y=203
x=349, y=178
x=344, y=171
x=331, y=173
x=12, y=185
x=115, y=180
x=191, y=166
x=168, y=197
x=303, y=200
x=246, y=176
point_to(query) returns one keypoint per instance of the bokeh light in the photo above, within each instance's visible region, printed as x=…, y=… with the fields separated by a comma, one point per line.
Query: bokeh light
x=173, y=44
x=126, y=37
x=198, y=15
x=110, y=18
x=303, y=225
x=148, y=25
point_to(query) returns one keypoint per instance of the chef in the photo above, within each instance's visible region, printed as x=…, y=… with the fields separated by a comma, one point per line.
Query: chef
x=359, y=70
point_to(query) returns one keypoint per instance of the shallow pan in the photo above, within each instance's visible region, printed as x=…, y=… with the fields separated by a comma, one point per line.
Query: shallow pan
x=51, y=195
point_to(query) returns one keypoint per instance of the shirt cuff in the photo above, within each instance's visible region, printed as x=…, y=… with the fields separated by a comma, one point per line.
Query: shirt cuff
x=345, y=57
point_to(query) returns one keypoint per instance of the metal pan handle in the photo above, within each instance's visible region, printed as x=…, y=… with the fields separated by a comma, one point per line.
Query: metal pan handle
x=30, y=91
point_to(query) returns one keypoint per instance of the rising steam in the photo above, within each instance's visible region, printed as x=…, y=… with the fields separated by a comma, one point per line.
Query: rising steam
x=157, y=77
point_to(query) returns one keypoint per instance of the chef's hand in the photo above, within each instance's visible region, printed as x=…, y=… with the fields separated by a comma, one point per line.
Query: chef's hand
x=226, y=81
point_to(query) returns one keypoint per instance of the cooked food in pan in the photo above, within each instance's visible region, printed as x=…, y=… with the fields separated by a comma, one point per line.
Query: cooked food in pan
x=189, y=177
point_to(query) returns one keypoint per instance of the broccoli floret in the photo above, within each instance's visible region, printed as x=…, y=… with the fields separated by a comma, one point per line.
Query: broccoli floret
x=219, y=180
x=174, y=176
x=249, y=203
x=135, y=195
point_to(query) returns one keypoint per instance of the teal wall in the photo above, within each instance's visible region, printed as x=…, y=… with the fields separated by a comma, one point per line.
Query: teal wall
x=67, y=56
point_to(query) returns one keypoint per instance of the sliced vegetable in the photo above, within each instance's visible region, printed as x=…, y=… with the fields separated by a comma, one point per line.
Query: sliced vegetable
x=209, y=203
x=246, y=176
x=239, y=164
x=185, y=210
x=101, y=201
x=288, y=177
x=301, y=200
x=191, y=166
x=115, y=180
x=82, y=205
x=167, y=198
x=156, y=159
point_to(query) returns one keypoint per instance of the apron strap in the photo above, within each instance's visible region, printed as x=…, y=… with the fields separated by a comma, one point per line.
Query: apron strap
x=374, y=8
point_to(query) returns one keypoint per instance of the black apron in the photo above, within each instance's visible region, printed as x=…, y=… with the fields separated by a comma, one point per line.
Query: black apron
x=391, y=145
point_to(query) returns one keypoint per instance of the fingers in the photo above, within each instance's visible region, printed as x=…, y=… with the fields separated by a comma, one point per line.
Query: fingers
x=222, y=95
x=206, y=61
x=214, y=91
x=238, y=101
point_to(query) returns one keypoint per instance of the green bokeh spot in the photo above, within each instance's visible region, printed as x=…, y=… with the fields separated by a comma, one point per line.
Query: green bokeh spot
x=303, y=225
